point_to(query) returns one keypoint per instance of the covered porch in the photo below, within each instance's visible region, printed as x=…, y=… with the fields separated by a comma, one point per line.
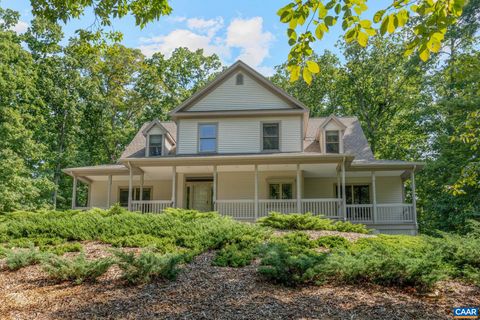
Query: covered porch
x=375, y=194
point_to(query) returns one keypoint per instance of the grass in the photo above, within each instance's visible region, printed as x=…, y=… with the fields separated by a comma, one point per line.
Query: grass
x=307, y=221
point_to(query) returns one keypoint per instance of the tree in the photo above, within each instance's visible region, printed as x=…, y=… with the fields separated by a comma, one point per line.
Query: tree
x=427, y=21
x=21, y=186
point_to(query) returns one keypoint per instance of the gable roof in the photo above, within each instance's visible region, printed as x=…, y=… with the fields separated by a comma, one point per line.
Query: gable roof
x=334, y=119
x=222, y=77
x=154, y=123
x=136, y=148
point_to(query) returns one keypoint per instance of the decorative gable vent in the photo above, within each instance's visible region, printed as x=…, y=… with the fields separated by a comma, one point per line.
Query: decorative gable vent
x=239, y=79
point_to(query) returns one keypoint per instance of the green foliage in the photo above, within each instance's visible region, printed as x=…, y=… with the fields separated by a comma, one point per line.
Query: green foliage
x=63, y=248
x=148, y=266
x=308, y=222
x=78, y=269
x=426, y=35
x=164, y=245
x=389, y=261
x=288, y=262
x=239, y=251
x=3, y=252
x=24, y=257
x=332, y=242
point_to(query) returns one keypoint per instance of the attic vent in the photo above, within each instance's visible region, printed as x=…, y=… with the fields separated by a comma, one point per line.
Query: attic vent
x=239, y=79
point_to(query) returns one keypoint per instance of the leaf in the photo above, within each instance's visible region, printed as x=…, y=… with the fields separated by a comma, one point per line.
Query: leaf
x=330, y=21
x=307, y=75
x=424, y=54
x=378, y=16
x=433, y=45
x=319, y=32
x=384, y=25
x=322, y=12
x=350, y=35
x=338, y=8
x=366, y=24
x=362, y=39
x=313, y=67
x=294, y=73
x=391, y=24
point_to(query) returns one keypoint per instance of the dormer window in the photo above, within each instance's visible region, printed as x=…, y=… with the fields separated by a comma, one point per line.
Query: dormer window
x=239, y=79
x=155, y=145
x=332, y=141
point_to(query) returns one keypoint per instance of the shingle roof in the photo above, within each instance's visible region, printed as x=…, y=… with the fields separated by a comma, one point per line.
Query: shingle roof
x=136, y=148
x=355, y=142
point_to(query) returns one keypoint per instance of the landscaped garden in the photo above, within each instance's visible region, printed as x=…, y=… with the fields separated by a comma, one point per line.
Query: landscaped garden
x=293, y=253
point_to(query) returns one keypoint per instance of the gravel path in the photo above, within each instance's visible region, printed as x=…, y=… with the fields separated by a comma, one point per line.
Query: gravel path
x=206, y=292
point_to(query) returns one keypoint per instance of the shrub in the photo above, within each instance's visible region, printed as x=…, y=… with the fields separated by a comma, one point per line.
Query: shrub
x=288, y=264
x=63, y=248
x=3, y=252
x=386, y=260
x=163, y=245
x=24, y=257
x=331, y=242
x=78, y=269
x=147, y=266
x=307, y=221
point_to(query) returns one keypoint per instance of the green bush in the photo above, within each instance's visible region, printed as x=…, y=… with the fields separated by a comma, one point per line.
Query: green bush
x=307, y=221
x=331, y=242
x=23, y=257
x=239, y=251
x=147, y=266
x=3, y=252
x=163, y=245
x=289, y=264
x=63, y=248
x=401, y=261
x=78, y=269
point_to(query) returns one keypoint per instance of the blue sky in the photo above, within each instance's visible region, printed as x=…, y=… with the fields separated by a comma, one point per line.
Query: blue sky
x=249, y=30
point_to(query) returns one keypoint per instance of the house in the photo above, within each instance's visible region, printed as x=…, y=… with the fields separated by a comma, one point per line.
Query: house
x=243, y=147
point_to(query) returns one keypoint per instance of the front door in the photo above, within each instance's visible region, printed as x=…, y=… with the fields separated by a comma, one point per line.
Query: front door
x=199, y=196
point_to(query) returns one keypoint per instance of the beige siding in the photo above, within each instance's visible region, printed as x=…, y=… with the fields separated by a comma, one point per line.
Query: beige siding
x=389, y=189
x=230, y=96
x=241, y=135
x=161, y=189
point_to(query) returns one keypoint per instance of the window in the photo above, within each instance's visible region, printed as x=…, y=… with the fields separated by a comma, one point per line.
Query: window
x=135, y=195
x=155, y=142
x=280, y=190
x=332, y=141
x=356, y=194
x=207, y=137
x=270, y=136
x=239, y=79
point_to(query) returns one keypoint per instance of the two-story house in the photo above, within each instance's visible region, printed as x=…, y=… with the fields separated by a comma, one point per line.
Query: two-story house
x=243, y=147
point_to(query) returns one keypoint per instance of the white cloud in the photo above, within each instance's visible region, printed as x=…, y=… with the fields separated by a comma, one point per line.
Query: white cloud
x=182, y=38
x=246, y=37
x=20, y=27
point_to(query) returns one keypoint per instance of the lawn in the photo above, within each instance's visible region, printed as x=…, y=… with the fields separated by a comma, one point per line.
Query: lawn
x=185, y=264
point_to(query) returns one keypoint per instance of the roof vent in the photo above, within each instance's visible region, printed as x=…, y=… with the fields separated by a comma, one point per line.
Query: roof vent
x=239, y=79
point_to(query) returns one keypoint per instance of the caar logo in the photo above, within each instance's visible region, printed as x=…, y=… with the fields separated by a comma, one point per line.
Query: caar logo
x=465, y=313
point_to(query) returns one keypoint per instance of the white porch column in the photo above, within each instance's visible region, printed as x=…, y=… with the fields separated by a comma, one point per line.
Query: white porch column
x=414, y=197
x=174, y=186
x=344, y=194
x=142, y=181
x=339, y=193
x=74, y=192
x=299, y=191
x=109, y=195
x=214, y=187
x=374, y=196
x=256, y=192
x=130, y=182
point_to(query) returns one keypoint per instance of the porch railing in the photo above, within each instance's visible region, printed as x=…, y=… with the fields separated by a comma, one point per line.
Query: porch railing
x=330, y=208
x=282, y=206
x=395, y=213
x=237, y=209
x=152, y=206
x=360, y=213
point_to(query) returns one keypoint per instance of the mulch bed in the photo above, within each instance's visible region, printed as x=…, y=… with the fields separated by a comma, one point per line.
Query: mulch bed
x=203, y=291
